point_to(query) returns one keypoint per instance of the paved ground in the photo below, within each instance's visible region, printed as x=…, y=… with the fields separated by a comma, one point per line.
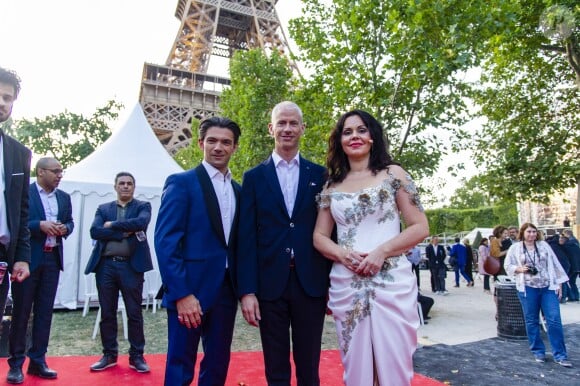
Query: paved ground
x=460, y=344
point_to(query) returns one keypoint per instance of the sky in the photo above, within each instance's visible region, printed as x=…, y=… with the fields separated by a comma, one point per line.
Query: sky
x=76, y=55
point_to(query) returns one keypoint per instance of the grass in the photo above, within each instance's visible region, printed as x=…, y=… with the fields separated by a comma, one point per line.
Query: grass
x=71, y=334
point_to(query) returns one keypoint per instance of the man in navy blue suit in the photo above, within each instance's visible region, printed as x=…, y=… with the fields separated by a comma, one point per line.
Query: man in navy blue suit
x=50, y=220
x=459, y=251
x=282, y=279
x=195, y=240
x=119, y=259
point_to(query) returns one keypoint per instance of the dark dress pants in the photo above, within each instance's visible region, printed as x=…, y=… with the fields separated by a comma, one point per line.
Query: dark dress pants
x=305, y=315
x=4, y=286
x=112, y=277
x=216, y=333
x=36, y=293
x=434, y=278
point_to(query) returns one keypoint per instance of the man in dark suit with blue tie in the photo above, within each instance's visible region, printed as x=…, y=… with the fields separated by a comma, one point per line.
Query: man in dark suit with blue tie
x=119, y=259
x=14, y=181
x=195, y=240
x=50, y=220
x=282, y=279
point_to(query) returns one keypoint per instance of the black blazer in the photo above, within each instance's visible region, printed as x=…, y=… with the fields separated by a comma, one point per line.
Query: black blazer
x=435, y=258
x=137, y=219
x=16, y=181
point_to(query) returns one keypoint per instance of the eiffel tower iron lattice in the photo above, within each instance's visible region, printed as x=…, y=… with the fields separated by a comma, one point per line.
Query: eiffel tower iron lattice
x=182, y=89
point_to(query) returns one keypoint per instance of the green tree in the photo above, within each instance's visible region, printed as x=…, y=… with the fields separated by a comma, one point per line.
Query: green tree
x=530, y=97
x=403, y=61
x=258, y=82
x=67, y=136
x=470, y=195
x=190, y=156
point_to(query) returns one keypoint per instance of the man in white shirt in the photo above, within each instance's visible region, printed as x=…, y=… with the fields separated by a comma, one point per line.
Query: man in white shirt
x=50, y=221
x=282, y=280
x=195, y=241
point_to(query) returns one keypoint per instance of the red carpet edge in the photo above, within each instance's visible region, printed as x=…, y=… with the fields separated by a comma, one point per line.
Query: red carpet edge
x=246, y=369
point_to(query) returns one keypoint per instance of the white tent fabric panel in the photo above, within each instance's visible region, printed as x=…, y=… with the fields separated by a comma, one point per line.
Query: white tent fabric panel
x=132, y=148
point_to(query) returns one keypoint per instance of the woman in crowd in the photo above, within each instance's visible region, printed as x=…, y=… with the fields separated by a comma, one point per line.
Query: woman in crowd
x=373, y=293
x=539, y=278
x=483, y=252
x=499, y=246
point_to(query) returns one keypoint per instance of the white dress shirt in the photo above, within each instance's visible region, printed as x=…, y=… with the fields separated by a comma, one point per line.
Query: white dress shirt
x=50, y=205
x=222, y=186
x=288, y=176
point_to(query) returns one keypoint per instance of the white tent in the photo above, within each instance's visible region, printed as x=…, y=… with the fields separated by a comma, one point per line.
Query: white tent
x=133, y=148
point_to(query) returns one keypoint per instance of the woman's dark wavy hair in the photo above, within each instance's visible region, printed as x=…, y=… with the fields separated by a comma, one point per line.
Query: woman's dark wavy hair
x=337, y=161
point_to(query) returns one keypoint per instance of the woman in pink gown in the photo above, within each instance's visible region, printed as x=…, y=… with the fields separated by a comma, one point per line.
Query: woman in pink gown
x=373, y=294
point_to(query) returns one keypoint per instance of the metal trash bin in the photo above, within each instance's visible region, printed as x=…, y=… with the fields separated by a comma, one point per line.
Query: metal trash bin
x=511, y=323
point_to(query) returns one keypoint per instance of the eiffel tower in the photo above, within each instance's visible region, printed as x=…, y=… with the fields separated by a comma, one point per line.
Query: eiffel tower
x=183, y=89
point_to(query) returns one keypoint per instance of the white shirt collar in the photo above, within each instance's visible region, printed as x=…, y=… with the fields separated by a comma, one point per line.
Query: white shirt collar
x=212, y=171
x=41, y=189
x=277, y=159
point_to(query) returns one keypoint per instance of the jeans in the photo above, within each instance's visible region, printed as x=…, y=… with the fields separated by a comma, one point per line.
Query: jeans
x=533, y=300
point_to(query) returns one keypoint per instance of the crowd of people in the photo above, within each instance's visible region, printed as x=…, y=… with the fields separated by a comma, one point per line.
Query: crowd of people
x=294, y=240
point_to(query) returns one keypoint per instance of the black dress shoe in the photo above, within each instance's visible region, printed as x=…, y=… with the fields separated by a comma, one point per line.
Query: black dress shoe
x=15, y=376
x=41, y=370
x=104, y=363
x=138, y=364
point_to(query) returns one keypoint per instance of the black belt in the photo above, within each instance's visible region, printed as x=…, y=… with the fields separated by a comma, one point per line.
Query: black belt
x=119, y=259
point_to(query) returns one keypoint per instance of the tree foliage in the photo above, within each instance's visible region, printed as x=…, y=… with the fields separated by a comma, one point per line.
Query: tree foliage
x=258, y=82
x=530, y=97
x=470, y=195
x=190, y=156
x=67, y=136
x=448, y=220
x=403, y=61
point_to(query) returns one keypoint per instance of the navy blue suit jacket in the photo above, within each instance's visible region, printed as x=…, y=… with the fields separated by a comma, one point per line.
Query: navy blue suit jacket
x=460, y=252
x=37, y=214
x=16, y=181
x=137, y=218
x=189, y=239
x=267, y=234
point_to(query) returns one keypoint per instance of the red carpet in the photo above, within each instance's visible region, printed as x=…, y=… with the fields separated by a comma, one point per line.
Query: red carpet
x=246, y=369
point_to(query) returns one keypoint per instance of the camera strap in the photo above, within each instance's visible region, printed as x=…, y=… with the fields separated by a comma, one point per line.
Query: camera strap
x=527, y=254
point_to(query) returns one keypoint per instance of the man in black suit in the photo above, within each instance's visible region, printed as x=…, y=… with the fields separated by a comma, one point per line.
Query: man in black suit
x=436, y=256
x=119, y=259
x=14, y=180
x=50, y=219
x=195, y=241
x=282, y=279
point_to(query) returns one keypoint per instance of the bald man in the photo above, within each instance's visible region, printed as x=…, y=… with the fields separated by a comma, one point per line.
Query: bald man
x=50, y=221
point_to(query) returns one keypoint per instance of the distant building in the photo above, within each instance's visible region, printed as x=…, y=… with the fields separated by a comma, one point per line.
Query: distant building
x=550, y=216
